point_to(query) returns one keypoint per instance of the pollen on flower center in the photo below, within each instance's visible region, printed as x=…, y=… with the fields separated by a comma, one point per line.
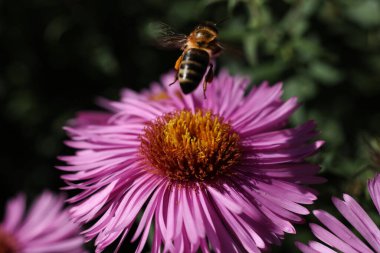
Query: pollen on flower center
x=8, y=244
x=187, y=147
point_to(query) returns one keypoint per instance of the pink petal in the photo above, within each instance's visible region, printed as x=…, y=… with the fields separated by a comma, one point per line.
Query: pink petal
x=320, y=247
x=305, y=248
x=330, y=239
x=341, y=231
x=14, y=213
x=374, y=191
x=353, y=212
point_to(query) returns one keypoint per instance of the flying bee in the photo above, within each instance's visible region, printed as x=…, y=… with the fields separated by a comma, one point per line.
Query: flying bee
x=199, y=48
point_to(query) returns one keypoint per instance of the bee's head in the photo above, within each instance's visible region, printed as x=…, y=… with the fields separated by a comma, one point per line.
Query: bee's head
x=205, y=32
x=207, y=25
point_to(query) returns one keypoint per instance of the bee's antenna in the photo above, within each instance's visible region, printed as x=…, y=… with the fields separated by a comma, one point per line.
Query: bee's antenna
x=221, y=21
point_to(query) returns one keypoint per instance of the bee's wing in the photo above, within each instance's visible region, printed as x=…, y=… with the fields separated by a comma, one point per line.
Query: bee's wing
x=168, y=38
x=231, y=49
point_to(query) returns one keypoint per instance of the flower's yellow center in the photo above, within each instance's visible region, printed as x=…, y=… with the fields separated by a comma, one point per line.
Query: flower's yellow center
x=187, y=147
x=8, y=243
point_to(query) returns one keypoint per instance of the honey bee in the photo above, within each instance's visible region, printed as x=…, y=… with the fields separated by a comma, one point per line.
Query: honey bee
x=199, y=48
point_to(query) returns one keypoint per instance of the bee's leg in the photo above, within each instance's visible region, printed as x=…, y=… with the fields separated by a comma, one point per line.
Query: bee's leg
x=210, y=74
x=178, y=63
x=208, y=79
x=176, y=67
x=175, y=79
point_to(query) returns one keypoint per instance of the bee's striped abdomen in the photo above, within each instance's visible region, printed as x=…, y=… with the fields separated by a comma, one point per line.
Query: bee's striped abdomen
x=192, y=69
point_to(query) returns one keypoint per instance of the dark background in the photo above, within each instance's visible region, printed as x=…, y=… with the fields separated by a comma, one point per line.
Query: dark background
x=57, y=57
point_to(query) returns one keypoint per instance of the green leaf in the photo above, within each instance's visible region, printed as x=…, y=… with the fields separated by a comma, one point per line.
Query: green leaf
x=232, y=4
x=250, y=43
x=268, y=71
x=365, y=13
x=300, y=86
x=324, y=72
x=307, y=49
x=105, y=60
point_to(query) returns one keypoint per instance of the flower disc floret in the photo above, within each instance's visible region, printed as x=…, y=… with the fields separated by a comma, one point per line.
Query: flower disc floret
x=187, y=147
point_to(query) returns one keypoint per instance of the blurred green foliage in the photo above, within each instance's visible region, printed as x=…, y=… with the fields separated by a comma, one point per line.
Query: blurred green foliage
x=56, y=57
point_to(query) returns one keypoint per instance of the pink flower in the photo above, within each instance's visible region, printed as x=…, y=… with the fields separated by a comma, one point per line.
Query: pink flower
x=221, y=174
x=337, y=235
x=46, y=228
